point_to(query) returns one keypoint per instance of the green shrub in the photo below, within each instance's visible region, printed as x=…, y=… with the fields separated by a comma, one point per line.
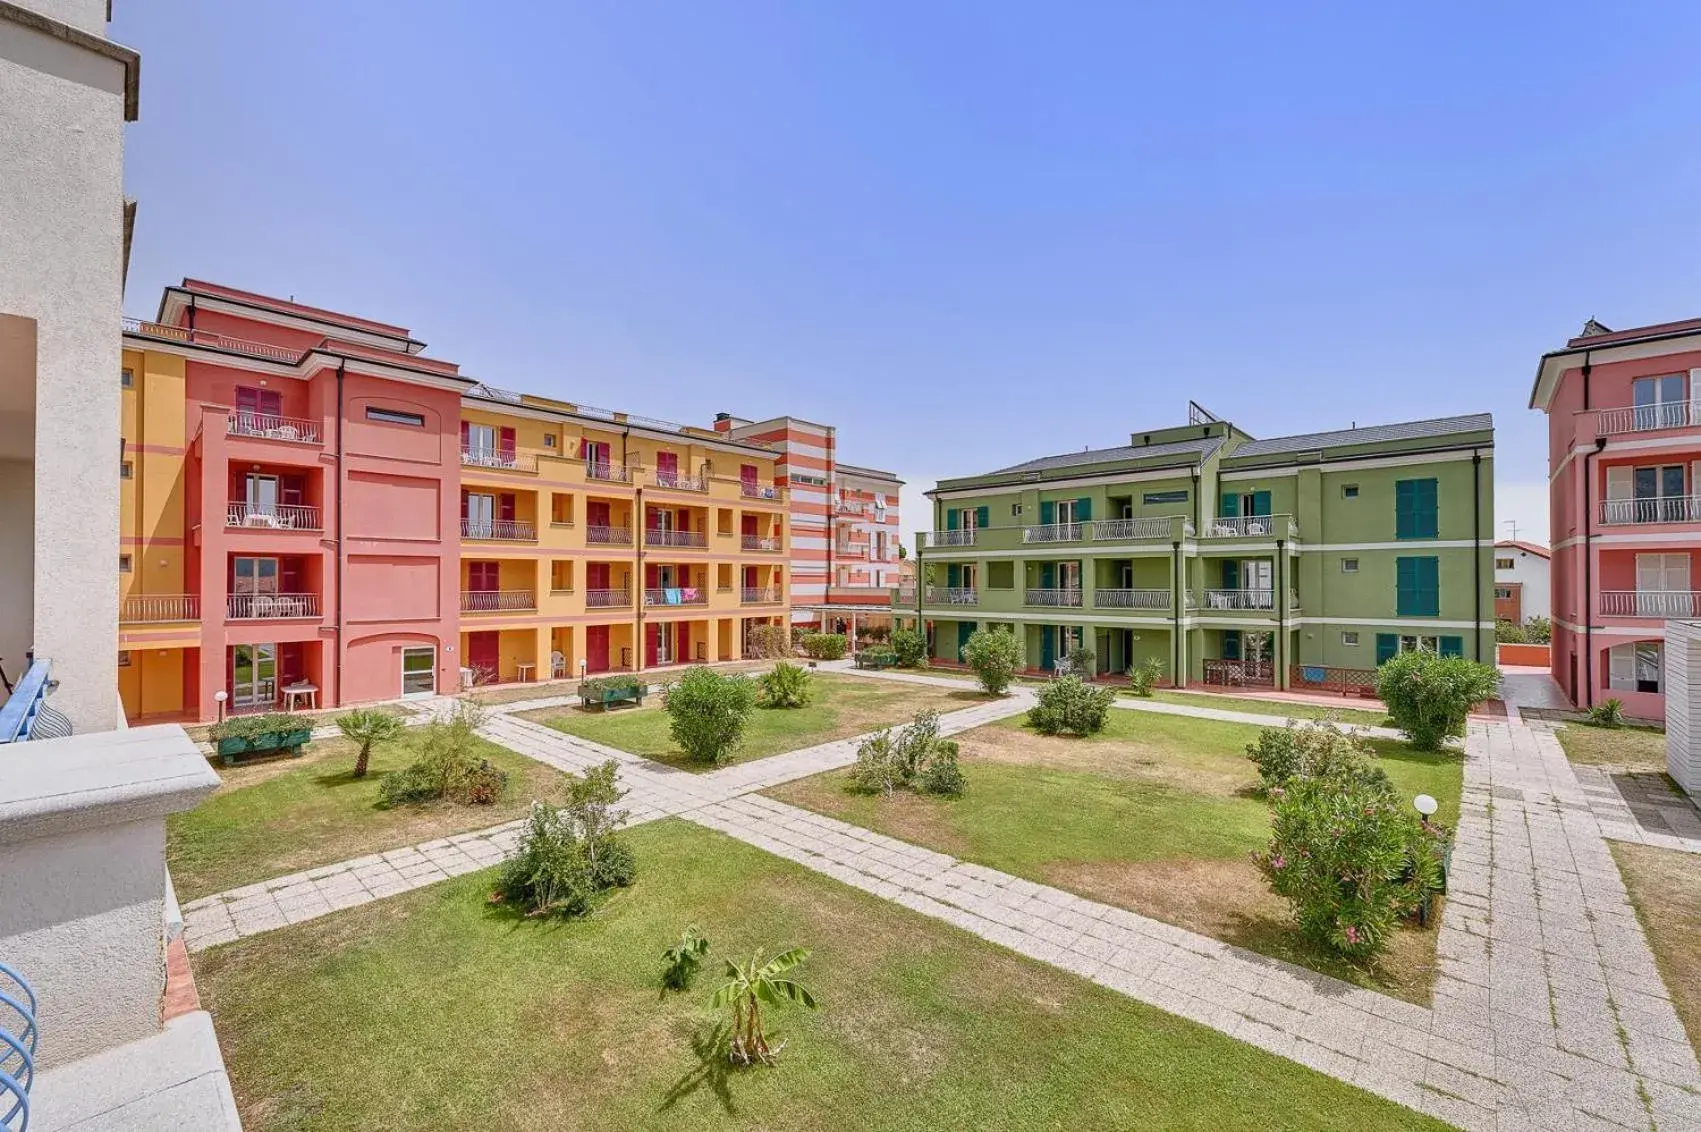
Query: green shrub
x=1350, y=858
x=1509, y=632
x=683, y=958
x=1143, y=677
x=1430, y=696
x=448, y=766
x=910, y=645
x=251, y=727
x=916, y=758
x=1538, y=631
x=1314, y=750
x=767, y=642
x=1080, y=661
x=825, y=646
x=995, y=655
x=708, y=712
x=1608, y=714
x=567, y=854
x=785, y=686
x=1069, y=705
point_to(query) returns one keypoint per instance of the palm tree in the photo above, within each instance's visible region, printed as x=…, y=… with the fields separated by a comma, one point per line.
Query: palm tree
x=749, y=986
x=368, y=726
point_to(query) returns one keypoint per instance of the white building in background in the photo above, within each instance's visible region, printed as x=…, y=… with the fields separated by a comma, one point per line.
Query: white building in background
x=1521, y=581
x=65, y=93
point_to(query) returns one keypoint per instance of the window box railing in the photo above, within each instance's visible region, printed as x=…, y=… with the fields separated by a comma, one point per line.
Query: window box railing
x=1131, y=599
x=492, y=601
x=1664, y=509
x=271, y=607
x=758, y=595
x=477, y=456
x=608, y=473
x=964, y=537
x=761, y=542
x=1239, y=599
x=1651, y=603
x=608, y=599
x=1055, y=532
x=1251, y=526
x=143, y=609
x=680, y=482
x=499, y=530
x=1646, y=418
x=608, y=536
x=1052, y=596
x=758, y=490
x=272, y=516
x=1136, y=530
x=953, y=595
x=676, y=595
x=656, y=537
x=267, y=426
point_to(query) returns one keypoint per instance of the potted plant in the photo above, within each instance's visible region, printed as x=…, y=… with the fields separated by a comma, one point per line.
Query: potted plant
x=258, y=734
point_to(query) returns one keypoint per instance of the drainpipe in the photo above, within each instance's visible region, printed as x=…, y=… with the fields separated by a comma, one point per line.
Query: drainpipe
x=1588, y=574
x=1175, y=613
x=1198, y=519
x=638, y=529
x=1476, y=548
x=342, y=543
x=1281, y=600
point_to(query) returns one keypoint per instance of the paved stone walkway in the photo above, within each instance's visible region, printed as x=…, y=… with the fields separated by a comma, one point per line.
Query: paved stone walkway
x=1641, y=806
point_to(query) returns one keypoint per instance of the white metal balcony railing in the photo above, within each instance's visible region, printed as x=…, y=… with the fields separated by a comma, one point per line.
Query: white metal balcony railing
x=953, y=595
x=904, y=595
x=267, y=607
x=1665, y=509
x=478, y=456
x=609, y=473
x=1135, y=530
x=1651, y=603
x=270, y=427
x=146, y=608
x=964, y=537
x=758, y=490
x=1055, y=532
x=1239, y=599
x=849, y=507
x=499, y=530
x=1646, y=418
x=760, y=542
x=272, y=516
x=607, y=599
x=1131, y=599
x=1052, y=596
x=492, y=601
x=656, y=537
x=681, y=482
x=758, y=595
x=676, y=595
x=608, y=536
x=1250, y=526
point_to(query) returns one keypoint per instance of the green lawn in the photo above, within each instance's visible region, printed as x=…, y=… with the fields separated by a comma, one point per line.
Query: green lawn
x=1638, y=748
x=283, y=815
x=432, y=1010
x=1156, y=814
x=842, y=706
x=1346, y=713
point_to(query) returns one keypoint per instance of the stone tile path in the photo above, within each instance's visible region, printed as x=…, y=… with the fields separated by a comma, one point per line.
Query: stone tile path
x=1641, y=806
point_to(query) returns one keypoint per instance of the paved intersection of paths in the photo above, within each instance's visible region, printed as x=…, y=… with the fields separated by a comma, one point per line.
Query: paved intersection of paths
x=1548, y=1011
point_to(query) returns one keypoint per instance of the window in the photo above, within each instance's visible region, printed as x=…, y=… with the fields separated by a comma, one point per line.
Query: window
x=549, y=440
x=1638, y=667
x=812, y=481
x=1660, y=402
x=1413, y=643
x=1349, y=565
x=1001, y=575
x=123, y=563
x=1349, y=491
x=1417, y=587
x=1350, y=640
x=126, y=470
x=395, y=416
x=127, y=378
x=1415, y=509
x=1502, y=593
x=1165, y=496
x=124, y=657
x=1015, y=510
x=1503, y=563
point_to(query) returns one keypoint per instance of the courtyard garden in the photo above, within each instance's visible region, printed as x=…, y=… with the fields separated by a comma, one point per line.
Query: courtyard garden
x=1665, y=887
x=837, y=707
x=438, y=1008
x=1635, y=748
x=1348, y=712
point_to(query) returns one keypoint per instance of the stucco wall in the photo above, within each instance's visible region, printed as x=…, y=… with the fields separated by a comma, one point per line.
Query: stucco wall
x=61, y=209
x=17, y=563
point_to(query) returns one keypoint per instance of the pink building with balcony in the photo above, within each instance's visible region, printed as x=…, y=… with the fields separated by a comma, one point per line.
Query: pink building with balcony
x=1624, y=463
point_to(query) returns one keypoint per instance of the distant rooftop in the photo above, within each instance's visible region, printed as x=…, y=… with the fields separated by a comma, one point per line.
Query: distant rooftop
x=1370, y=434
x=1201, y=447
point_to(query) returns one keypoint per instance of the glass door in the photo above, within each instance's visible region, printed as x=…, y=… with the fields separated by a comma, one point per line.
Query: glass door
x=253, y=676
x=481, y=444
x=1256, y=577
x=1662, y=585
x=262, y=495
x=1660, y=401
x=253, y=587
x=481, y=515
x=419, y=671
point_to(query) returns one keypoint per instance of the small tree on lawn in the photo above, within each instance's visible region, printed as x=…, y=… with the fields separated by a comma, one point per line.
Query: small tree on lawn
x=708, y=712
x=368, y=727
x=1429, y=696
x=567, y=854
x=995, y=655
x=910, y=645
x=746, y=988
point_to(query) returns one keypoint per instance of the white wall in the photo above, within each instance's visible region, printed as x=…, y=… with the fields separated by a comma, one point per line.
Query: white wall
x=1683, y=705
x=1532, y=572
x=61, y=242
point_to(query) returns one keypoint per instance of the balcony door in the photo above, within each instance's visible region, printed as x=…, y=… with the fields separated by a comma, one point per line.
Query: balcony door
x=1661, y=402
x=258, y=410
x=484, y=577
x=480, y=515
x=419, y=671
x=1068, y=575
x=262, y=495
x=253, y=676
x=1662, y=585
x=480, y=442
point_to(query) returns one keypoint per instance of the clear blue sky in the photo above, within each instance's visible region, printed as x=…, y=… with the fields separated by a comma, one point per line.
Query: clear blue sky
x=967, y=234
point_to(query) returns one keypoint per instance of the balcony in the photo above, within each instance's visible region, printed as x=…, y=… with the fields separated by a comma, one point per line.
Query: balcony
x=497, y=601
x=965, y=537
x=209, y=338
x=499, y=530
x=1647, y=418
x=676, y=595
x=1264, y=600
x=607, y=473
x=1138, y=530
x=1650, y=603
x=272, y=517
x=1252, y=526
x=608, y=599
x=1055, y=532
x=690, y=539
x=152, y=609
x=849, y=507
x=271, y=607
x=1131, y=599
x=760, y=542
x=1056, y=598
x=951, y=595
x=760, y=491
x=608, y=536
x=759, y=595
x=1664, y=509
x=904, y=596
x=679, y=482
x=265, y=426
x=475, y=456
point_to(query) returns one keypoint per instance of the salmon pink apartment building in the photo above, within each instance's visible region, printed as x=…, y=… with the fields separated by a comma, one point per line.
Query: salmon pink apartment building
x=314, y=513
x=1624, y=461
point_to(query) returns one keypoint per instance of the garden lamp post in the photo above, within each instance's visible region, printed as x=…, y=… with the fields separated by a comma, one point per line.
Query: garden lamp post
x=1425, y=806
x=221, y=696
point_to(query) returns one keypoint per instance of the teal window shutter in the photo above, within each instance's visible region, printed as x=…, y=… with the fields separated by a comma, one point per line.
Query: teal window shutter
x=1231, y=644
x=983, y=517
x=1417, y=587
x=954, y=575
x=1048, y=575
x=1416, y=509
x=1083, y=510
x=1229, y=506
x=1260, y=503
x=1048, y=512
x=1048, y=646
x=1231, y=574
x=1387, y=644
x=951, y=519
x=1452, y=646
x=1429, y=586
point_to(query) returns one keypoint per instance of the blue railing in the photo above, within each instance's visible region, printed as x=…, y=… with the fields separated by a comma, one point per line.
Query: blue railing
x=29, y=695
x=17, y=1049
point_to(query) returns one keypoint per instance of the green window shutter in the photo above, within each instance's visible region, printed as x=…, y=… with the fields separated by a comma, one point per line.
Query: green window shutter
x=954, y=575
x=1048, y=575
x=1452, y=646
x=1417, y=587
x=1387, y=644
x=983, y=517
x=1416, y=509
x=1231, y=574
x=1229, y=506
x=1260, y=503
x=951, y=519
x=1048, y=512
x=1048, y=646
x=1429, y=586
x=1083, y=510
x=1429, y=509
x=1231, y=644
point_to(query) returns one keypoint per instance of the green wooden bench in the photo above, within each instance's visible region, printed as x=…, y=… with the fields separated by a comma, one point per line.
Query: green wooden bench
x=607, y=697
x=874, y=659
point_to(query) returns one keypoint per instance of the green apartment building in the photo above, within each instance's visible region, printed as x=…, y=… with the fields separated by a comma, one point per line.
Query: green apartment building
x=1297, y=561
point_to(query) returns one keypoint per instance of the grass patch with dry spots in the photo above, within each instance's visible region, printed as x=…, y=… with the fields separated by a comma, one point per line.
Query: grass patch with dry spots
x=448, y=1014
x=1346, y=713
x=1665, y=887
x=1638, y=748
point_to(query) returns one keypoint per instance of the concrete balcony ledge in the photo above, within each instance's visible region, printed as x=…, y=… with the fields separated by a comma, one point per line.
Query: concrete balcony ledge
x=55, y=786
x=174, y=1079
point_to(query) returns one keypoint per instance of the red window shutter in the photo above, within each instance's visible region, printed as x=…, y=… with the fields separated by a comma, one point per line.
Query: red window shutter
x=506, y=444
x=247, y=399
x=292, y=490
x=271, y=403
x=650, y=638
x=652, y=518
x=596, y=513
x=684, y=520
x=289, y=576
x=466, y=434
x=505, y=505
x=463, y=505
x=650, y=575
x=681, y=641
x=747, y=473
x=749, y=525
x=596, y=576
x=750, y=577
x=667, y=462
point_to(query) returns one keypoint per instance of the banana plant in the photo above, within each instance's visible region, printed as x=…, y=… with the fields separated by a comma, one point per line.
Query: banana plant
x=747, y=988
x=683, y=958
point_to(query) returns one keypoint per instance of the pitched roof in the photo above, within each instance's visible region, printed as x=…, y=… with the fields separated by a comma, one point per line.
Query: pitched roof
x=1531, y=547
x=1201, y=447
x=1370, y=434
